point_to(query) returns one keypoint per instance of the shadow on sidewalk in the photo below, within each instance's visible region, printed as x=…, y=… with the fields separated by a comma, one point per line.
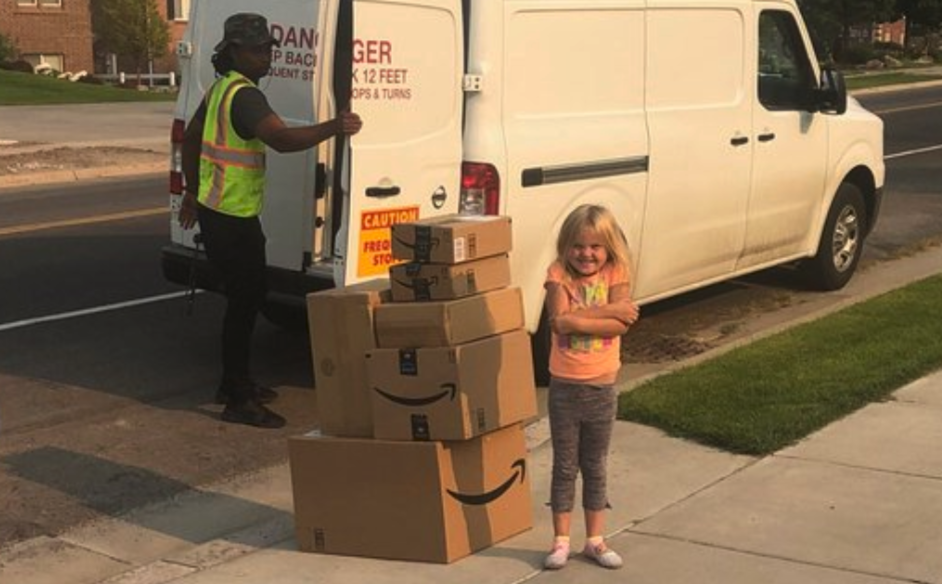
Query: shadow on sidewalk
x=112, y=489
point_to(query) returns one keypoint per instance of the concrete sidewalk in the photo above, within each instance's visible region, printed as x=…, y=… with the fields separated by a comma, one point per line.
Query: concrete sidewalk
x=136, y=134
x=859, y=502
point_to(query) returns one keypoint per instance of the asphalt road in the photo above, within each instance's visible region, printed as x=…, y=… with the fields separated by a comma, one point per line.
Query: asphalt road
x=106, y=382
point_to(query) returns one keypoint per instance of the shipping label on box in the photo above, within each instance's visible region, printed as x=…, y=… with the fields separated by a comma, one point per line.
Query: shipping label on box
x=452, y=393
x=448, y=322
x=422, y=501
x=417, y=281
x=341, y=328
x=452, y=239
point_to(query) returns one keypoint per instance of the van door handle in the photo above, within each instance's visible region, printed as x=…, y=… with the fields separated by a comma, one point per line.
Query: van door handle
x=739, y=140
x=382, y=192
x=766, y=137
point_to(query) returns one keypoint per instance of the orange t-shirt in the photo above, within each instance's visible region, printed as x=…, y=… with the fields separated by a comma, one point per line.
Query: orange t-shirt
x=582, y=357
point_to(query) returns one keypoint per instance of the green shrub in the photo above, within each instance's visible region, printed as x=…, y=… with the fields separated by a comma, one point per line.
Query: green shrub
x=8, y=50
x=18, y=66
x=857, y=54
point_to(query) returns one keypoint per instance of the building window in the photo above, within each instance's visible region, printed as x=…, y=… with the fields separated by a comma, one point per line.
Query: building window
x=51, y=3
x=178, y=9
x=54, y=61
x=26, y=2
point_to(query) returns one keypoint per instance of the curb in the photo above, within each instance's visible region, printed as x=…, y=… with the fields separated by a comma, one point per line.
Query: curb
x=75, y=175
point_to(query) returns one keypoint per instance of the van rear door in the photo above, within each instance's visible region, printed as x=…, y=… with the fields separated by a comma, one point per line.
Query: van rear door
x=290, y=188
x=408, y=63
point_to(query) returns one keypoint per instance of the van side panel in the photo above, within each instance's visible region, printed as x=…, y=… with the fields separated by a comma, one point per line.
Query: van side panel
x=574, y=126
x=700, y=118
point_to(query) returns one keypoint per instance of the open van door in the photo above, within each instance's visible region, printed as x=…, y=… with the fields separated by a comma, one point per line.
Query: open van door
x=408, y=64
x=290, y=88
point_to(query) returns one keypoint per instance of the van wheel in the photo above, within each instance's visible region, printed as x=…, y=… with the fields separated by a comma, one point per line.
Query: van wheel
x=841, y=241
x=540, y=345
x=289, y=317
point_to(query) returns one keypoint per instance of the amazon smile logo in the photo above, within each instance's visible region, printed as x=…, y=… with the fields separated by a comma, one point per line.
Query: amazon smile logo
x=520, y=472
x=449, y=390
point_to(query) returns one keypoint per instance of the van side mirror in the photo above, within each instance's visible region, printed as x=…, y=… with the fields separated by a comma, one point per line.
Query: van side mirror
x=831, y=95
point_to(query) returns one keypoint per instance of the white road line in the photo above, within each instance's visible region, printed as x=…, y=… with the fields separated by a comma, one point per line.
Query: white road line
x=912, y=152
x=95, y=310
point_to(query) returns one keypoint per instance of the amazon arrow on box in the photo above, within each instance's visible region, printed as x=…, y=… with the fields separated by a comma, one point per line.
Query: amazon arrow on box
x=421, y=501
x=452, y=393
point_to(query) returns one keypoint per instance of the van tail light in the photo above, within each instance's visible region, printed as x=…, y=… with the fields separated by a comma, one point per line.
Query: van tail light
x=176, y=157
x=480, y=189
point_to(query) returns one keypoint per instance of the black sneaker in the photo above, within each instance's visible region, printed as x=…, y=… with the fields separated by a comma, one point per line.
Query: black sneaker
x=265, y=395
x=252, y=413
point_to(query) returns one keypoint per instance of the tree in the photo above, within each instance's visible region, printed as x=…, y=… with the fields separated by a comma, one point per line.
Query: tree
x=132, y=28
x=832, y=20
x=921, y=16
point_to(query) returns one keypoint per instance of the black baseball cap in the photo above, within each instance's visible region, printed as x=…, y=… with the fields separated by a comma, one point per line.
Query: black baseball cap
x=246, y=29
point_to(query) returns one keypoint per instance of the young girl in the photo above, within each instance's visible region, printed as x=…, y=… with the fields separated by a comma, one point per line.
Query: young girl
x=587, y=300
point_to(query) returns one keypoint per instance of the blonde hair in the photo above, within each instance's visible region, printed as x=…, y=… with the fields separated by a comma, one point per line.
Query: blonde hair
x=600, y=220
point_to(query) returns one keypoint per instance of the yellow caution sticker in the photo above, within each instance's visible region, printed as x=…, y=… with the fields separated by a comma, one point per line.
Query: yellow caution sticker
x=375, y=246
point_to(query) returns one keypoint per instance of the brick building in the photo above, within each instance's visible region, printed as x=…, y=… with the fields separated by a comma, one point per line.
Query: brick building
x=57, y=32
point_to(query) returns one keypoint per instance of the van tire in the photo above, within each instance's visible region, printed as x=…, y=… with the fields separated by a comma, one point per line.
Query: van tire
x=841, y=240
x=540, y=345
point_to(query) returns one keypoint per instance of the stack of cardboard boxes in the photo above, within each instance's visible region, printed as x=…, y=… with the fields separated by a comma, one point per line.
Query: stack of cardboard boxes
x=424, y=382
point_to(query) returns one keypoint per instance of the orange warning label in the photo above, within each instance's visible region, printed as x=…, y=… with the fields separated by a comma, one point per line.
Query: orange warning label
x=375, y=246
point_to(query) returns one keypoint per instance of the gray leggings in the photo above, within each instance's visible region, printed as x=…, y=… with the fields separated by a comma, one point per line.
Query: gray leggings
x=581, y=419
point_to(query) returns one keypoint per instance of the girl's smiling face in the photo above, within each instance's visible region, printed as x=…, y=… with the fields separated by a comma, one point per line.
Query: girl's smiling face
x=587, y=254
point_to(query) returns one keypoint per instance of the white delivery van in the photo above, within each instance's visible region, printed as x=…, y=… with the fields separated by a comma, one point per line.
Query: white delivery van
x=707, y=126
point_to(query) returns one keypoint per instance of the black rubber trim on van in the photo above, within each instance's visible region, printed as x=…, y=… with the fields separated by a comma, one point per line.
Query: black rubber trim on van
x=534, y=177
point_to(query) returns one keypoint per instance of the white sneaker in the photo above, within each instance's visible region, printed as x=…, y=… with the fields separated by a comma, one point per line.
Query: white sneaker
x=558, y=557
x=603, y=555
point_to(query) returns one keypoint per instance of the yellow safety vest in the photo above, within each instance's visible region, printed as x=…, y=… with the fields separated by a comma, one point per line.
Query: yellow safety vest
x=232, y=170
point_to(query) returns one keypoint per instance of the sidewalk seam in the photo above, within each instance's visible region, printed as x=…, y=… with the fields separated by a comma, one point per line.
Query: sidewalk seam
x=842, y=569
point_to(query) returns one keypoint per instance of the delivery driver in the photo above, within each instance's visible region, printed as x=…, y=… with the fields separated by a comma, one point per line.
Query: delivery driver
x=224, y=170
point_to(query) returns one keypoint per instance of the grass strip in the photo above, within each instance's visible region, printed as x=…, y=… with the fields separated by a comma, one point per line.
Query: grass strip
x=26, y=89
x=761, y=397
x=865, y=81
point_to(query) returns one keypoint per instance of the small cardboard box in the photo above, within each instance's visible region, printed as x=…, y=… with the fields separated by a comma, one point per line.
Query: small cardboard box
x=448, y=322
x=452, y=393
x=451, y=239
x=422, y=282
x=422, y=501
x=341, y=328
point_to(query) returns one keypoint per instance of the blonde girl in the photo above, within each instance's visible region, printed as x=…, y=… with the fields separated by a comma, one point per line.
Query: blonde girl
x=589, y=308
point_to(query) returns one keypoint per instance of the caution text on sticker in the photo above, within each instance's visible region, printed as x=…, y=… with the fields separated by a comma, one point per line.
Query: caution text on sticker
x=375, y=256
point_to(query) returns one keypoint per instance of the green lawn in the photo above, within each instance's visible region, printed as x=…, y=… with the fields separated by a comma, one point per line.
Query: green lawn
x=766, y=395
x=26, y=89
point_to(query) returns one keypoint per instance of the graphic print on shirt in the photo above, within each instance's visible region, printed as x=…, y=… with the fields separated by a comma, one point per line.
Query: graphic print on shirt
x=592, y=294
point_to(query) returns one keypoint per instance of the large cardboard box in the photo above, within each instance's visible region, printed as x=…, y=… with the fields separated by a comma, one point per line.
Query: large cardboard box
x=420, y=281
x=424, y=501
x=448, y=322
x=452, y=393
x=341, y=329
x=451, y=239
